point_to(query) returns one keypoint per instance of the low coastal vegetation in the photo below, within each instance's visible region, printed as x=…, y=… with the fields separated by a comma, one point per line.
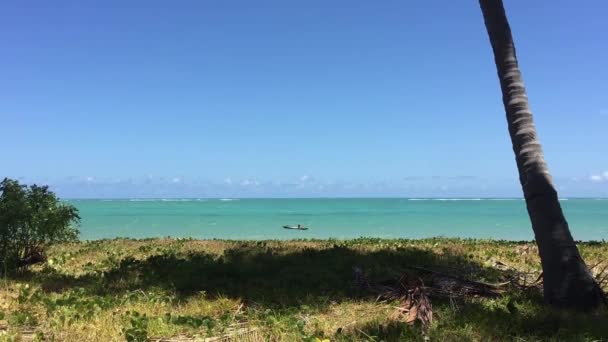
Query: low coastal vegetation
x=302, y=290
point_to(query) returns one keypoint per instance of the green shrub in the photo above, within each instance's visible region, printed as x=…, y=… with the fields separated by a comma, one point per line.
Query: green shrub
x=31, y=218
x=138, y=331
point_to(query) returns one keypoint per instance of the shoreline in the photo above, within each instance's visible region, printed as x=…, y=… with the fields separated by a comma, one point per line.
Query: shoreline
x=368, y=239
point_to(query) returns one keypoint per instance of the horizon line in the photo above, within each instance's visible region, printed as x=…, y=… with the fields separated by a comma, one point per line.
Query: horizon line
x=322, y=197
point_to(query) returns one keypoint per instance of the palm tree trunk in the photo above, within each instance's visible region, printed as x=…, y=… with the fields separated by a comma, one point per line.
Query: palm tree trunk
x=567, y=280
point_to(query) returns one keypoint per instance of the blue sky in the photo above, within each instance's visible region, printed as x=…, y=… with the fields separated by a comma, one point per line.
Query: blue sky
x=294, y=98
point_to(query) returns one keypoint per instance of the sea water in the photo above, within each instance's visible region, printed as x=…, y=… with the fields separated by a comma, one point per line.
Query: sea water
x=328, y=218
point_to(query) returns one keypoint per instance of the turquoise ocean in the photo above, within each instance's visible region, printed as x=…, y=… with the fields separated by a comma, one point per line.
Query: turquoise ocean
x=328, y=218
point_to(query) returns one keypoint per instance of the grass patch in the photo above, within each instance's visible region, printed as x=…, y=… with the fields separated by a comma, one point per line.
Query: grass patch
x=123, y=289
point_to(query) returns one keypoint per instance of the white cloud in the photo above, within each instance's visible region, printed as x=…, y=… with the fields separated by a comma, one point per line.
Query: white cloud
x=599, y=177
x=596, y=178
x=248, y=182
x=304, y=178
x=176, y=180
x=228, y=180
x=90, y=179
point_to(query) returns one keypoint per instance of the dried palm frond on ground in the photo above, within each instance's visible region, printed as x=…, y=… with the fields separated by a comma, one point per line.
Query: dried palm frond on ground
x=451, y=286
x=414, y=296
x=439, y=284
x=534, y=280
x=414, y=303
x=417, y=285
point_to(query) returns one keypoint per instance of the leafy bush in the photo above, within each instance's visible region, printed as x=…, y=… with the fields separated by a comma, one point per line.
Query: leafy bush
x=31, y=217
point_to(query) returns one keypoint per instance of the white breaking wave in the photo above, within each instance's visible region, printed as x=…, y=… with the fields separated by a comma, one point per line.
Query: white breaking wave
x=166, y=199
x=449, y=199
x=445, y=199
x=471, y=199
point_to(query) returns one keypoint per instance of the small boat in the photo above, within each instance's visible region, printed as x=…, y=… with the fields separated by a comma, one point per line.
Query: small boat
x=298, y=227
